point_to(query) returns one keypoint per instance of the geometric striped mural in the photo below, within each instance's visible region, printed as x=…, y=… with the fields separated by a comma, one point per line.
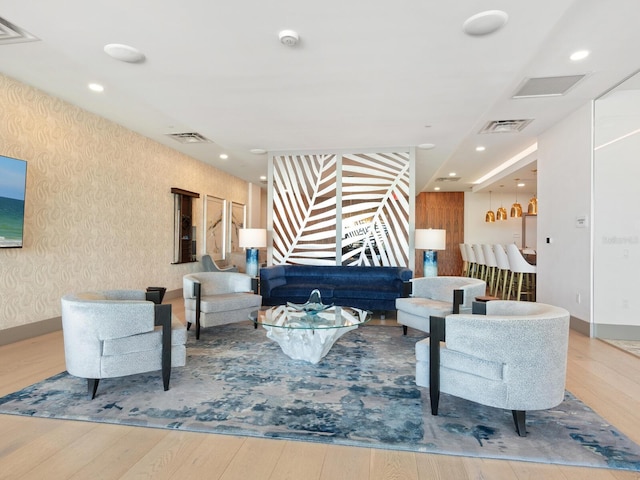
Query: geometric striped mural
x=340, y=209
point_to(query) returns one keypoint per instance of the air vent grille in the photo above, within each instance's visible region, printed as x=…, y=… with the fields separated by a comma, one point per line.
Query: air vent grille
x=447, y=179
x=9, y=33
x=505, y=126
x=547, y=86
x=189, y=137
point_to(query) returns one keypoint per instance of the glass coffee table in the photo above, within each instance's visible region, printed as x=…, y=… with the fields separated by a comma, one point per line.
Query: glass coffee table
x=308, y=335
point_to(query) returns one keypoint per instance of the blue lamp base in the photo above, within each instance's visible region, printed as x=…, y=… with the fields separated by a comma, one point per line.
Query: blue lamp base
x=252, y=262
x=430, y=263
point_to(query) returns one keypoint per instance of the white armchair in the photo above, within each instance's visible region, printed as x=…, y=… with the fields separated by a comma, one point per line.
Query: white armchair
x=217, y=298
x=438, y=296
x=118, y=332
x=514, y=357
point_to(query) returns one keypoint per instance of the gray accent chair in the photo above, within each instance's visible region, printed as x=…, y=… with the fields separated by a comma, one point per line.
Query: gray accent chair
x=218, y=298
x=514, y=357
x=114, y=333
x=438, y=296
x=209, y=265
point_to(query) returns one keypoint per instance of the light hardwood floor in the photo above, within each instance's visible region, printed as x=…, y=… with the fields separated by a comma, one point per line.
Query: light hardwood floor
x=604, y=377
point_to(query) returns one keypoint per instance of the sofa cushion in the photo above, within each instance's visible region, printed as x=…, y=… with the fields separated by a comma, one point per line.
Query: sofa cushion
x=424, y=307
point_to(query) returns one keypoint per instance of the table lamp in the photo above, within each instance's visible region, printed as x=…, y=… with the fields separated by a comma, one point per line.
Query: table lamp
x=252, y=239
x=430, y=240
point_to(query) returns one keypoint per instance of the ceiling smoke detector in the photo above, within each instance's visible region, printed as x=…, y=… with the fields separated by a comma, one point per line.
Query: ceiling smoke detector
x=124, y=53
x=289, y=37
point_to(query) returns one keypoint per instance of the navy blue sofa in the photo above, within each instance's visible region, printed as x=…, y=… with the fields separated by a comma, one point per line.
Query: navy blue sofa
x=367, y=288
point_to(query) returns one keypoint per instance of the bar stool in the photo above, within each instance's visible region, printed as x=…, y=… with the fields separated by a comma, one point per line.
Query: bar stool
x=520, y=266
x=465, y=261
x=503, y=270
x=480, y=260
x=491, y=265
x=471, y=258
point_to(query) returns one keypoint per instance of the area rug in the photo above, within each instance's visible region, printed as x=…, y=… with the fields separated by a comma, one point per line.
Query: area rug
x=362, y=393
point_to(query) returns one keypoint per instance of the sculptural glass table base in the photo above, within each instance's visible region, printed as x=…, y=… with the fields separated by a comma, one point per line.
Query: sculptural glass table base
x=308, y=335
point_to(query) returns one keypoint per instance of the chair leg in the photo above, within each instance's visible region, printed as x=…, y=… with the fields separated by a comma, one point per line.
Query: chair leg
x=519, y=418
x=404, y=329
x=92, y=387
x=163, y=318
x=520, y=276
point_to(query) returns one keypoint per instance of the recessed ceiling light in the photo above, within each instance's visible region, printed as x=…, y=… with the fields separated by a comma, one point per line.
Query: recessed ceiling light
x=480, y=148
x=484, y=23
x=263, y=177
x=96, y=87
x=437, y=188
x=579, y=55
x=124, y=53
x=258, y=151
x=521, y=184
x=426, y=146
x=224, y=156
x=452, y=174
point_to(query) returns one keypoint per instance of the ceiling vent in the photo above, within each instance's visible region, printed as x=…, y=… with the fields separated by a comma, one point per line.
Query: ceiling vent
x=447, y=179
x=505, y=126
x=189, y=137
x=9, y=33
x=547, y=86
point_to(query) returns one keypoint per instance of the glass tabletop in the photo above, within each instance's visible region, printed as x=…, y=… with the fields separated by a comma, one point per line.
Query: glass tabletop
x=287, y=317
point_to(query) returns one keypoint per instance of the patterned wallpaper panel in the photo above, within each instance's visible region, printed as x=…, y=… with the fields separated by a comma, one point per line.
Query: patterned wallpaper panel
x=99, y=211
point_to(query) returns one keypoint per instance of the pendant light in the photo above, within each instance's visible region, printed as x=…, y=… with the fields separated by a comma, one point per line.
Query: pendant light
x=501, y=213
x=532, y=208
x=516, y=208
x=490, y=217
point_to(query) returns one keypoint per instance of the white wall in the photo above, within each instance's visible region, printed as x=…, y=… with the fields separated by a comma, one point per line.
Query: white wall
x=564, y=193
x=476, y=230
x=617, y=223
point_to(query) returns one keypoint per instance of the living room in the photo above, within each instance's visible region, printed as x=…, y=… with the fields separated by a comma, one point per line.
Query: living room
x=100, y=213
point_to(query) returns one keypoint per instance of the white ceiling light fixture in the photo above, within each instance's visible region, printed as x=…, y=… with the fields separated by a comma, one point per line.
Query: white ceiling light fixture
x=124, y=53
x=426, y=146
x=258, y=151
x=579, y=55
x=224, y=156
x=96, y=87
x=480, y=148
x=289, y=38
x=484, y=23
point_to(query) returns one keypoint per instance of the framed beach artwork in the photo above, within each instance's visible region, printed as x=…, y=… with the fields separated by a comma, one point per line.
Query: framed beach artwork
x=215, y=231
x=13, y=185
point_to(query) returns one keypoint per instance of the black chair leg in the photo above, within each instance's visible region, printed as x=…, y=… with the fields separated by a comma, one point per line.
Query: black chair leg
x=404, y=329
x=163, y=318
x=519, y=417
x=92, y=387
x=436, y=335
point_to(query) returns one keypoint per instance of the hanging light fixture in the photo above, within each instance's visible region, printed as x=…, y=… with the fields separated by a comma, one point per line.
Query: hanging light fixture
x=532, y=208
x=501, y=213
x=490, y=217
x=516, y=208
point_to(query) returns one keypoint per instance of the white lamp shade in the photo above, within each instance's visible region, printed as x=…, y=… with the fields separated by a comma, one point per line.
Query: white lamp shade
x=431, y=239
x=252, y=238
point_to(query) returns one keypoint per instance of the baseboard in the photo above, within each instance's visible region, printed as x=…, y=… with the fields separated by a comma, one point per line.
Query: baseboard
x=35, y=329
x=616, y=332
x=580, y=325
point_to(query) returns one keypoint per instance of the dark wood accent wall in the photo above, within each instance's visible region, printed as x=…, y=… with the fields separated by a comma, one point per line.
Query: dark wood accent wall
x=442, y=210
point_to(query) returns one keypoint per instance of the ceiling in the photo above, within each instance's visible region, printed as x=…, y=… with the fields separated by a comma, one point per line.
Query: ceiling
x=366, y=74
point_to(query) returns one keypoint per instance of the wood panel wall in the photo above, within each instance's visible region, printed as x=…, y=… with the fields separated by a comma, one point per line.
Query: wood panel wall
x=442, y=210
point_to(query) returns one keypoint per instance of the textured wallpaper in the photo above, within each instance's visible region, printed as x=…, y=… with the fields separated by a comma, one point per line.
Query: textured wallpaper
x=99, y=210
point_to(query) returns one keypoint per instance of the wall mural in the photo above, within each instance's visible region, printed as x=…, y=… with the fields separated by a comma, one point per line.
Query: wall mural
x=351, y=209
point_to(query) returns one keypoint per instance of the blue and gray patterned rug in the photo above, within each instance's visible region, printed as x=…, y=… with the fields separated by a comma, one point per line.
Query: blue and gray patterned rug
x=362, y=393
